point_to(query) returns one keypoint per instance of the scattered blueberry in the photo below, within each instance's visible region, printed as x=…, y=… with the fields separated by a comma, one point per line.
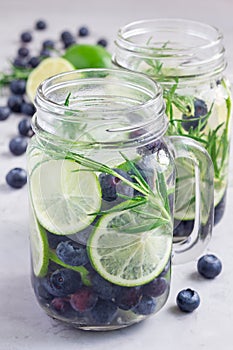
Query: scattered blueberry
x=188, y=300
x=34, y=61
x=83, y=300
x=14, y=103
x=156, y=287
x=4, y=112
x=200, y=112
x=66, y=35
x=23, y=52
x=220, y=209
x=146, y=306
x=63, y=282
x=83, y=31
x=72, y=253
x=18, y=87
x=102, y=42
x=48, y=44
x=41, y=25
x=103, y=312
x=209, y=266
x=28, y=108
x=105, y=289
x=26, y=37
x=69, y=43
x=25, y=128
x=20, y=62
x=16, y=178
x=18, y=145
x=45, y=53
x=128, y=297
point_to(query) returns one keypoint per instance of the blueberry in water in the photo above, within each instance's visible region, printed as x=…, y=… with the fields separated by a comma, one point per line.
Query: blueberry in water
x=48, y=44
x=34, y=61
x=20, y=62
x=200, y=115
x=16, y=178
x=26, y=37
x=63, y=282
x=18, y=87
x=54, y=240
x=104, y=312
x=183, y=228
x=60, y=304
x=166, y=269
x=188, y=300
x=220, y=209
x=25, y=128
x=102, y=42
x=112, y=186
x=72, y=253
x=146, y=306
x=18, y=145
x=23, y=52
x=105, y=289
x=14, y=103
x=28, y=108
x=156, y=287
x=41, y=25
x=83, y=31
x=209, y=266
x=41, y=293
x=128, y=297
x=4, y=112
x=83, y=300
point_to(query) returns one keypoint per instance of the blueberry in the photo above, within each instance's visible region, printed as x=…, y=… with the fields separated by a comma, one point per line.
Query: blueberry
x=105, y=289
x=25, y=128
x=83, y=31
x=41, y=293
x=128, y=297
x=102, y=42
x=45, y=53
x=4, y=112
x=72, y=253
x=48, y=44
x=166, y=269
x=157, y=147
x=200, y=112
x=112, y=186
x=28, y=108
x=20, y=62
x=16, y=178
x=103, y=312
x=60, y=304
x=68, y=43
x=63, y=282
x=146, y=306
x=14, y=103
x=41, y=25
x=183, y=228
x=26, y=37
x=54, y=240
x=220, y=209
x=18, y=87
x=23, y=52
x=66, y=35
x=188, y=300
x=34, y=61
x=83, y=300
x=209, y=266
x=18, y=145
x=156, y=287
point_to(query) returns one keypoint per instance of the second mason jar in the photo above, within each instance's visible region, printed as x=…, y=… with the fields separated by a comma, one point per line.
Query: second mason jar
x=188, y=59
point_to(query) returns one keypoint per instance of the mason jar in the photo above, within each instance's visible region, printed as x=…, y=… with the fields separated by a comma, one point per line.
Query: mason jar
x=101, y=185
x=188, y=59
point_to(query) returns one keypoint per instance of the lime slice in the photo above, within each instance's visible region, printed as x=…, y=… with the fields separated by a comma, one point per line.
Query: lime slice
x=125, y=255
x=47, y=68
x=64, y=195
x=39, y=247
x=88, y=56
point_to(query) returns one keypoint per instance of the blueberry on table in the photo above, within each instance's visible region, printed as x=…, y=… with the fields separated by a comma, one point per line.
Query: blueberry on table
x=102, y=42
x=72, y=253
x=16, y=178
x=146, y=306
x=104, y=312
x=209, y=266
x=20, y=62
x=156, y=287
x=28, y=108
x=15, y=102
x=83, y=31
x=4, y=112
x=44, y=53
x=25, y=127
x=23, y=52
x=41, y=25
x=48, y=44
x=188, y=300
x=128, y=297
x=200, y=116
x=18, y=145
x=34, y=61
x=26, y=37
x=67, y=38
x=18, y=86
x=83, y=300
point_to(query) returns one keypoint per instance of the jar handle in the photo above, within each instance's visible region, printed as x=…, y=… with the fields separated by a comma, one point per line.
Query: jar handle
x=189, y=151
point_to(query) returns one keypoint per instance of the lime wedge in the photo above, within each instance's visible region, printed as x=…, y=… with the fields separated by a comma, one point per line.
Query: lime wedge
x=64, y=195
x=47, y=68
x=125, y=255
x=39, y=247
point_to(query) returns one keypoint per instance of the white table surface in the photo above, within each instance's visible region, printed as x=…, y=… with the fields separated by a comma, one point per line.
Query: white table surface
x=23, y=325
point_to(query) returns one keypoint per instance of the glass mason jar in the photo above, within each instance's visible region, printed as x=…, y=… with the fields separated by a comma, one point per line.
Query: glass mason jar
x=188, y=59
x=102, y=182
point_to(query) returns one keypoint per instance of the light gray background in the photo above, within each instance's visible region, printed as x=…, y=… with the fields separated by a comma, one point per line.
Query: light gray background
x=23, y=325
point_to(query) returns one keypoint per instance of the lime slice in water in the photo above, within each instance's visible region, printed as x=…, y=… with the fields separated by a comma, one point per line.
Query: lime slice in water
x=64, y=195
x=126, y=255
x=39, y=247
